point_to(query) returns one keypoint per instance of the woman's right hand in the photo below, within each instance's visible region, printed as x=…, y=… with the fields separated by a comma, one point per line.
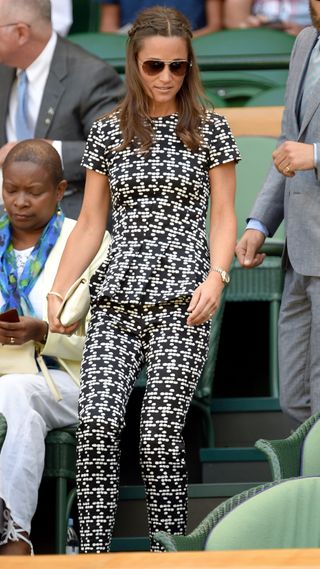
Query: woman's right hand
x=54, y=323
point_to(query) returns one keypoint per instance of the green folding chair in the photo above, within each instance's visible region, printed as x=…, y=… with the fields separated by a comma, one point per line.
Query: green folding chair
x=110, y=47
x=296, y=455
x=243, y=42
x=275, y=515
x=60, y=464
x=240, y=64
x=268, y=97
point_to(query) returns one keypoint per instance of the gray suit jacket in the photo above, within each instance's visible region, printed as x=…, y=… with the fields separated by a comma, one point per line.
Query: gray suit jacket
x=297, y=199
x=80, y=87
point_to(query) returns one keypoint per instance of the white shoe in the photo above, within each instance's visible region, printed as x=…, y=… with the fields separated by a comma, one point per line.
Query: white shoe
x=13, y=533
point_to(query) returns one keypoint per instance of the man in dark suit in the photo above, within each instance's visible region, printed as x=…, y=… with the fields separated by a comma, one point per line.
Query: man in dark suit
x=292, y=192
x=67, y=88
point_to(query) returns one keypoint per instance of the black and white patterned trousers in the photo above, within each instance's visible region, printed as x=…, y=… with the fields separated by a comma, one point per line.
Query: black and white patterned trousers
x=121, y=338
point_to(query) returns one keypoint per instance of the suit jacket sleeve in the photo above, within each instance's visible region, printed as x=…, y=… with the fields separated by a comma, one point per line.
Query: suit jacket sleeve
x=269, y=205
x=100, y=95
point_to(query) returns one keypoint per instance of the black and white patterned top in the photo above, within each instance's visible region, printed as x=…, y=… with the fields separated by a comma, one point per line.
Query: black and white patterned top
x=159, y=247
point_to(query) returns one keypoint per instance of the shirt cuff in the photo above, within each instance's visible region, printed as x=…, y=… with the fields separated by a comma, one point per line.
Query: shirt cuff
x=315, y=154
x=256, y=224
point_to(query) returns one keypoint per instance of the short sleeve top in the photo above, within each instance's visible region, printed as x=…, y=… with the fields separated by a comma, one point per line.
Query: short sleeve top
x=159, y=248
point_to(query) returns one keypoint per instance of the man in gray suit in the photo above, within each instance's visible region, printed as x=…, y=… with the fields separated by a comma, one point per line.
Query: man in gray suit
x=292, y=192
x=67, y=88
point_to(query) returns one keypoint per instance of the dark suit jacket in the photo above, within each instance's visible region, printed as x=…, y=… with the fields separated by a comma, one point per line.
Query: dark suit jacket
x=80, y=87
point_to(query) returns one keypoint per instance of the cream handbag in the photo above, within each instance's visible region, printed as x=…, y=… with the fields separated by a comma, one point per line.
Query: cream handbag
x=76, y=304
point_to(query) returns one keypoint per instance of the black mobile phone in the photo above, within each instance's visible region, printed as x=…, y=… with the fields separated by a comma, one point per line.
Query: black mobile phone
x=9, y=316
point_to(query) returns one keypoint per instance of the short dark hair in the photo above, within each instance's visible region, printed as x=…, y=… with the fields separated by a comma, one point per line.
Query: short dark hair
x=39, y=152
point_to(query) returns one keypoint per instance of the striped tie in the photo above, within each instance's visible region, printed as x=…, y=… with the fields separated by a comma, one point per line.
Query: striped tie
x=23, y=128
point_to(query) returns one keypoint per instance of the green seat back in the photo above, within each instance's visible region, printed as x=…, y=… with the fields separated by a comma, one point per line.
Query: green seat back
x=108, y=46
x=284, y=516
x=214, y=98
x=268, y=97
x=238, y=42
x=310, y=452
x=238, y=86
x=240, y=64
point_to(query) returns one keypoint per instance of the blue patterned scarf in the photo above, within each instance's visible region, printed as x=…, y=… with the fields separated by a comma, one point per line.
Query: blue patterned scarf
x=15, y=291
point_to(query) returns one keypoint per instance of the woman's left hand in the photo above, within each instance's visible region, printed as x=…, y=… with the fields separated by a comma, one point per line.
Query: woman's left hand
x=28, y=328
x=205, y=300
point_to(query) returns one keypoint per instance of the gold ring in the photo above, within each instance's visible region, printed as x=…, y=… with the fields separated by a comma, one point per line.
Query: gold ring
x=287, y=169
x=11, y=340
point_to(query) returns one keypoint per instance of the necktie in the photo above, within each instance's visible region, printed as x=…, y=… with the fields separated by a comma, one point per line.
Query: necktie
x=312, y=76
x=23, y=128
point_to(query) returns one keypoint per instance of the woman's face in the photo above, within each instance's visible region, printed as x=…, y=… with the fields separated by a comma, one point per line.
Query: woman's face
x=29, y=195
x=162, y=85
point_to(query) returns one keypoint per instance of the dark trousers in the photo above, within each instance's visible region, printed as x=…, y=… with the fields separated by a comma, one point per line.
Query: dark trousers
x=121, y=338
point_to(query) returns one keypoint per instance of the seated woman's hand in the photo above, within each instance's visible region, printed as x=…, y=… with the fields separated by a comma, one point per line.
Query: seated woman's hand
x=28, y=328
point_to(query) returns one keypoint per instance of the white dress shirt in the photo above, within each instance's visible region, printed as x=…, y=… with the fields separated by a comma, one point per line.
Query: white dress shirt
x=37, y=74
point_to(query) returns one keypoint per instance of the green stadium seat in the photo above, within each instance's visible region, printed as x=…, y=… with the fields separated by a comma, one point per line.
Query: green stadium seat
x=108, y=46
x=275, y=515
x=296, y=455
x=256, y=44
x=268, y=97
x=239, y=64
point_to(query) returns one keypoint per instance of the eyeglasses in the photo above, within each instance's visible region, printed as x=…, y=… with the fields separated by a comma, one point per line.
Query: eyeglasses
x=178, y=67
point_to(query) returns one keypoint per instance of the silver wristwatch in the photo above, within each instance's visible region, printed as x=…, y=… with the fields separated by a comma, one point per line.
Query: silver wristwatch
x=225, y=277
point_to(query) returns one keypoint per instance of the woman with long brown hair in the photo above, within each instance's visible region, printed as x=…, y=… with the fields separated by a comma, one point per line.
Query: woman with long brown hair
x=158, y=158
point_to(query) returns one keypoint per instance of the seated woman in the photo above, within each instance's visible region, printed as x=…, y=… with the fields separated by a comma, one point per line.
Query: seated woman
x=33, y=232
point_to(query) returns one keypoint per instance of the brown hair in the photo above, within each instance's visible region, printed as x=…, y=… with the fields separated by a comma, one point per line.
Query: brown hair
x=135, y=120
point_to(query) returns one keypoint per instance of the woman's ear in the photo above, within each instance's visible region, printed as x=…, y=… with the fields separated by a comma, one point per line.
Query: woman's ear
x=61, y=188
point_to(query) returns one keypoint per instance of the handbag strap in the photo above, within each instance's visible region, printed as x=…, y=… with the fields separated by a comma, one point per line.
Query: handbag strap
x=49, y=379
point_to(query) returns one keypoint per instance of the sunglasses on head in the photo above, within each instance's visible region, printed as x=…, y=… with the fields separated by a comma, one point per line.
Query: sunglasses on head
x=178, y=67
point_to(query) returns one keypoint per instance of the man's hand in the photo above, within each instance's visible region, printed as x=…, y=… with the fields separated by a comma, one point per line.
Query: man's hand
x=292, y=156
x=247, y=248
